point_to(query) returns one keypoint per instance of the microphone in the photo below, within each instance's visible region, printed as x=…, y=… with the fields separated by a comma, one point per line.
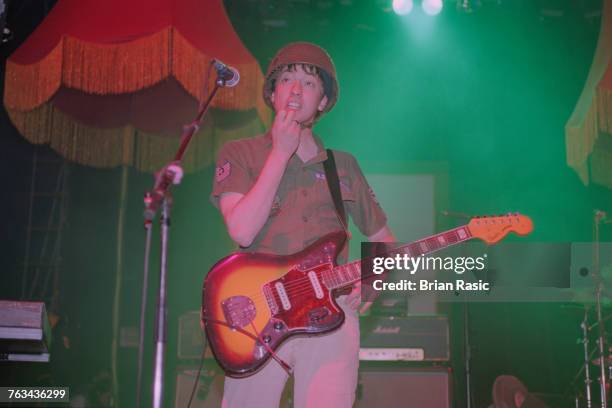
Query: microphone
x=227, y=76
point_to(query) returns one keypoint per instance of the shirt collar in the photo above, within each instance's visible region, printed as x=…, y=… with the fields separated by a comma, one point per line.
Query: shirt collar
x=320, y=157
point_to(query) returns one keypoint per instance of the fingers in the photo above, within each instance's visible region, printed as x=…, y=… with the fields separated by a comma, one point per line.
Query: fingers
x=289, y=116
x=284, y=118
x=287, y=122
x=292, y=125
x=365, y=307
x=286, y=132
x=353, y=300
x=285, y=115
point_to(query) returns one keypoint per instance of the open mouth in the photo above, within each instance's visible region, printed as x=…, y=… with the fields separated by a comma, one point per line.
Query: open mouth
x=293, y=106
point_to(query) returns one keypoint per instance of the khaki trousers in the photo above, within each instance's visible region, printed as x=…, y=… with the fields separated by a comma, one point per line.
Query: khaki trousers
x=324, y=368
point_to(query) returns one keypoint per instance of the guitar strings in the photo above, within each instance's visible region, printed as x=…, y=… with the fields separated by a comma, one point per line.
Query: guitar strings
x=298, y=287
x=303, y=284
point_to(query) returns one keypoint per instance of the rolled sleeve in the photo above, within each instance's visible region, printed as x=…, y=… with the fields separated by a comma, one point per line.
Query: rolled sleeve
x=231, y=173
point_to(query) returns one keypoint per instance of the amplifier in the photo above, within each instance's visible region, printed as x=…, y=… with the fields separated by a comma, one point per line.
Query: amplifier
x=404, y=387
x=190, y=336
x=24, y=331
x=209, y=390
x=412, y=338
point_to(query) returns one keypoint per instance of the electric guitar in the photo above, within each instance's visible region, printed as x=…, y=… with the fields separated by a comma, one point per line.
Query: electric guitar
x=252, y=302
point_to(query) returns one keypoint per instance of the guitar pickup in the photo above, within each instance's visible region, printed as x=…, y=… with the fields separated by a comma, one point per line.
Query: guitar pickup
x=269, y=295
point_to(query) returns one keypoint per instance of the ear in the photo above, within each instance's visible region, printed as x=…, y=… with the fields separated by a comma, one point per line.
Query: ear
x=519, y=399
x=323, y=103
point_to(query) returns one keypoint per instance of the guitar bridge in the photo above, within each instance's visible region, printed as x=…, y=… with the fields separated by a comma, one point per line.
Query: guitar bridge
x=238, y=310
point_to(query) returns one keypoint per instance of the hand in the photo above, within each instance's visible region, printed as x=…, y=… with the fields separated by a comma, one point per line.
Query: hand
x=285, y=133
x=173, y=171
x=353, y=299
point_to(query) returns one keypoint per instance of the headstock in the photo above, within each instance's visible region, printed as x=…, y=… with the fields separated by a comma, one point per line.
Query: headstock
x=493, y=229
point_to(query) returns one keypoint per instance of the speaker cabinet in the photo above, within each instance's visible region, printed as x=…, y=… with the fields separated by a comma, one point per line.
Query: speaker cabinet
x=379, y=387
x=209, y=391
x=408, y=387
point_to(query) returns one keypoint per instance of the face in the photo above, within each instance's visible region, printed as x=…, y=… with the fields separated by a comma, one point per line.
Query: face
x=301, y=92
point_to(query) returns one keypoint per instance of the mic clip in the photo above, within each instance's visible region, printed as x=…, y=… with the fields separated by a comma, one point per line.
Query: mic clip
x=226, y=76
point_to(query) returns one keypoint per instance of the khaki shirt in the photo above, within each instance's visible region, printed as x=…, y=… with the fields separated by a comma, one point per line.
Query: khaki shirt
x=303, y=209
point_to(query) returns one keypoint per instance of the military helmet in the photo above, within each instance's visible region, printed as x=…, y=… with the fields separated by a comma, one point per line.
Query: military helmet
x=303, y=53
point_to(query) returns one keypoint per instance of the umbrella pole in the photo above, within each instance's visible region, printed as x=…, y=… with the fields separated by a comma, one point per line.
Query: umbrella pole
x=118, y=282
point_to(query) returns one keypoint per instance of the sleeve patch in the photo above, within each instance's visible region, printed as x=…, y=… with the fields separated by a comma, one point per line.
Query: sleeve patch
x=223, y=172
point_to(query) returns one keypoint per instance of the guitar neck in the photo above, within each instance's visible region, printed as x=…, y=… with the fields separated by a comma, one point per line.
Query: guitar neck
x=347, y=274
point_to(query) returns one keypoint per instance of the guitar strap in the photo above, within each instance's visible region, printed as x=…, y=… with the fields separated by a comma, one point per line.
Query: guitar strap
x=331, y=175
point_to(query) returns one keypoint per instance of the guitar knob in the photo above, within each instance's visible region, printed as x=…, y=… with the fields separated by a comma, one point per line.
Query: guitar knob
x=267, y=339
x=278, y=326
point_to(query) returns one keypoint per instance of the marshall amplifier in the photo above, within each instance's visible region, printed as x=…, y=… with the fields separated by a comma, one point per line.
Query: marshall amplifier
x=413, y=338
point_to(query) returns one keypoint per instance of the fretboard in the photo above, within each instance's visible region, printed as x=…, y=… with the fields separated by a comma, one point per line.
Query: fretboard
x=347, y=274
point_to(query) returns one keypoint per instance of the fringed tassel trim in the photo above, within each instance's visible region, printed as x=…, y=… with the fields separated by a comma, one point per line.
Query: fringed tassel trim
x=604, y=114
x=127, y=67
x=580, y=141
x=106, y=148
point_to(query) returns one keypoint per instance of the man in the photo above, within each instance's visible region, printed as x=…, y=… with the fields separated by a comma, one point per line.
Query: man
x=274, y=198
x=510, y=392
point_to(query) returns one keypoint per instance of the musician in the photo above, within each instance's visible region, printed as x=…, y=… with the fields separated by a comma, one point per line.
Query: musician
x=510, y=392
x=273, y=194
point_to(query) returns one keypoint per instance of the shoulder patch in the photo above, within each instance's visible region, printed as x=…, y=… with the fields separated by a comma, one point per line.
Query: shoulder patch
x=223, y=172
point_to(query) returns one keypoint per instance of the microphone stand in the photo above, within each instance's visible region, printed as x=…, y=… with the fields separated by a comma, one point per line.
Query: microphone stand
x=587, y=358
x=597, y=218
x=467, y=348
x=160, y=197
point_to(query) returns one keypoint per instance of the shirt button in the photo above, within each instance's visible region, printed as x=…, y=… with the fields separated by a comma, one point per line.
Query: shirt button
x=305, y=219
